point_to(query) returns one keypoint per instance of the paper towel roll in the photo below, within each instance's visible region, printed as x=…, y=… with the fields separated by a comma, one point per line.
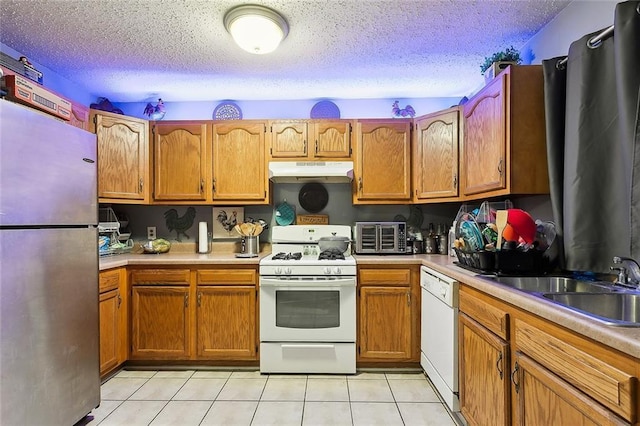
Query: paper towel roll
x=203, y=243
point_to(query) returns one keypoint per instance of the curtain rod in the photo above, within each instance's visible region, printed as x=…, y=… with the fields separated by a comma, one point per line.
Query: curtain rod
x=593, y=43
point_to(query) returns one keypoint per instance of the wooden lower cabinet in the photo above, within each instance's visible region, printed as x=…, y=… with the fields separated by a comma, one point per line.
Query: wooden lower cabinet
x=388, y=315
x=226, y=322
x=194, y=314
x=484, y=379
x=519, y=369
x=161, y=326
x=545, y=399
x=113, y=320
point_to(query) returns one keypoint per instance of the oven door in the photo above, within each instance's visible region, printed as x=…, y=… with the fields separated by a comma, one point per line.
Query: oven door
x=305, y=309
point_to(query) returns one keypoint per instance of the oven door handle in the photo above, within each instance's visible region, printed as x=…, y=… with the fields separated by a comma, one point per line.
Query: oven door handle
x=307, y=346
x=308, y=284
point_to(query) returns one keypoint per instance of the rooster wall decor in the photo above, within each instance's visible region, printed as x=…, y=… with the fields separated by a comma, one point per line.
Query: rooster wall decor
x=228, y=222
x=180, y=224
x=155, y=112
x=407, y=111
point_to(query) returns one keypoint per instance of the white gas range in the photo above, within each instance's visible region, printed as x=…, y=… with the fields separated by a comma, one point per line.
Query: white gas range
x=307, y=303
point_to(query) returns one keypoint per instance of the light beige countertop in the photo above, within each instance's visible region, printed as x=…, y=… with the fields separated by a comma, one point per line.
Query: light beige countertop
x=624, y=339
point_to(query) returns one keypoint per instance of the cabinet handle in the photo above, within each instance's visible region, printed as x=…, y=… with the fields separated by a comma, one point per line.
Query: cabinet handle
x=119, y=300
x=360, y=184
x=499, y=365
x=513, y=376
x=141, y=184
x=408, y=298
x=199, y=298
x=455, y=180
x=305, y=147
x=500, y=167
x=186, y=300
x=213, y=185
x=201, y=186
x=316, y=147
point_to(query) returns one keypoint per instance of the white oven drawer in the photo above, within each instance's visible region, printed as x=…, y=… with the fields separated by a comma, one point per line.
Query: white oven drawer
x=322, y=358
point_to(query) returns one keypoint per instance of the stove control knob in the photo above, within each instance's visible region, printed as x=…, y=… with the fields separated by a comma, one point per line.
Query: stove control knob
x=327, y=270
x=287, y=271
x=278, y=270
x=337, y=270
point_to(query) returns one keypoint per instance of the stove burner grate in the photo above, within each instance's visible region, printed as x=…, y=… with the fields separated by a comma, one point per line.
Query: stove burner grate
x=331, y=254
x=287, y=256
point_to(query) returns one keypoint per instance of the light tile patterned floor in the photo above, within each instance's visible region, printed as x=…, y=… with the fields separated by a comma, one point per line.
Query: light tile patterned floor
x=248, y=398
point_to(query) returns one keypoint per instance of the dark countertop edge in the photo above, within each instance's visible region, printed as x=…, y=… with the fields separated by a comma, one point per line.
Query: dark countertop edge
x=624, y=339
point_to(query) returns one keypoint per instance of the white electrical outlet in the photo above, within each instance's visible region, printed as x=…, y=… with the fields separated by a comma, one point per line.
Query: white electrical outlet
x=151, y=232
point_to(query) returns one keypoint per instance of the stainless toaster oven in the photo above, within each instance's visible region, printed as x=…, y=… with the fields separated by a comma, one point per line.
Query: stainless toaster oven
x=380, y=237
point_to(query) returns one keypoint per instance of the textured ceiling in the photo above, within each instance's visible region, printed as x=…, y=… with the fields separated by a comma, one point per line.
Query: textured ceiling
x=139, y=50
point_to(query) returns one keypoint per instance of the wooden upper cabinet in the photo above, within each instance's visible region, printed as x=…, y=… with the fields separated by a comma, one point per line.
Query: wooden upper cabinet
x=180, y=161
x=123, y=158
x=238, y=162
x=80, y=116
x=435, y=156
x=304, y=139
x=332, y=139
x=504, y=143
x=382, y=168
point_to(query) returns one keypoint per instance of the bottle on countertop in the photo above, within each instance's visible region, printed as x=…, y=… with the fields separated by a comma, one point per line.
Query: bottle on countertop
x=443, y=247
x=431, y=242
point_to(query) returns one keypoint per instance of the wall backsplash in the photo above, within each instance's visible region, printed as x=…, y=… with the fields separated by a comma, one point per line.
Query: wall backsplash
x=339, y=208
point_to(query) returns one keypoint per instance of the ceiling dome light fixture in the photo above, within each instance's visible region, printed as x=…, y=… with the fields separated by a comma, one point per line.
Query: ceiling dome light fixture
x=256, y=29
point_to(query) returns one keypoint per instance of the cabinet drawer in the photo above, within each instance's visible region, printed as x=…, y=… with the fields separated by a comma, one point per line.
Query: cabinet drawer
x=604, y=382
x=227, y=277
x=384, y=277
x=109, y=280
x=491, y=317
x=160, y=277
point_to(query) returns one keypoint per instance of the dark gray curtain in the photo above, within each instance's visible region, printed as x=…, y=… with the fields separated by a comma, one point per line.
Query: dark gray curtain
x=592, y=138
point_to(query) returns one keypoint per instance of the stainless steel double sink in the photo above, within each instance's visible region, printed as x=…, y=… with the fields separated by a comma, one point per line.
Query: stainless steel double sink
x=601, y=300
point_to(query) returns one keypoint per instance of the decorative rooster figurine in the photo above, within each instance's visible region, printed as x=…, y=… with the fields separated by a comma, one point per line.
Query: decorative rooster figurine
x=407, y=111
x=155, y=112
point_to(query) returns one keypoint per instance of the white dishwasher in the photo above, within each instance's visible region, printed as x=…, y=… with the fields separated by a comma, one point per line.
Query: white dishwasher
x=439, y=334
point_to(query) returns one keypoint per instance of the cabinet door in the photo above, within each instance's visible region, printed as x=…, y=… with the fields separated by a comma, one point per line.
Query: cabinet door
x=484, y=159
x=332, y=139
x=483, y=375
x=109, y=330
x=289, y=139
x=435, y=166
x=239, y=162
x=226, y=322
x=385, y=323
x=160, y=326
x=545, y=399
x=180, y=161
x=123, y=153
x=383, y=166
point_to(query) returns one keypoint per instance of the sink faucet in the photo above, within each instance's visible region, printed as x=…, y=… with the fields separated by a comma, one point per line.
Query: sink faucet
x=628, y=275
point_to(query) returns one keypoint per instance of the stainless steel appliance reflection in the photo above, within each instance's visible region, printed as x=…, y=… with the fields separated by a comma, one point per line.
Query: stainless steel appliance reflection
x=307, y=303
x=49, y=270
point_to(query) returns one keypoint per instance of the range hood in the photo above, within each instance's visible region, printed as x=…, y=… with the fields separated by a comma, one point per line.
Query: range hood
x=306, y=171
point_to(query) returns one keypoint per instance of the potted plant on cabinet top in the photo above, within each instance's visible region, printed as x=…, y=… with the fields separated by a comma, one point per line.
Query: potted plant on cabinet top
x=495, y=63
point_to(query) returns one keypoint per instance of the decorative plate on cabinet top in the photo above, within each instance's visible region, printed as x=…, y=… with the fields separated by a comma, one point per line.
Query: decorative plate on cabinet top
x=227, y=111
x=325, y=109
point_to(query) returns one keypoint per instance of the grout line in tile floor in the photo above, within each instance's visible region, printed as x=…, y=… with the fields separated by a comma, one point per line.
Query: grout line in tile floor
x=412, y=404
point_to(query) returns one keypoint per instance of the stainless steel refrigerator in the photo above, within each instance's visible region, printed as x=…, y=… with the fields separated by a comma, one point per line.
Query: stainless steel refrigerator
x=49, y=325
